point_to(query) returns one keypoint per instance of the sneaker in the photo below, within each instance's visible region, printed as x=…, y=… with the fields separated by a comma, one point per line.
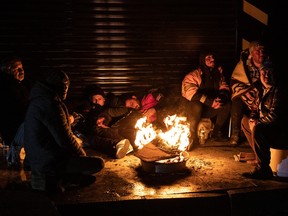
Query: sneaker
x=122, y=148
x=259, y=173
x=130, y=149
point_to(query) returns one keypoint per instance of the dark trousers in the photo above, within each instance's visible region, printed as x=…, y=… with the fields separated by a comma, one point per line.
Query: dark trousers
x=49, y=180
x=238, y=109
x=263, y=137
x=105, y=140
x=195, y=110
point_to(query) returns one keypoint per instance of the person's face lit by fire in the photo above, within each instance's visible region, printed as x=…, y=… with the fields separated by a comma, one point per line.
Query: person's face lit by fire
x=266, y=77
x=257, y=53
x=210, y=61
x=133, y=103
x=17, y=70
x=98, y=99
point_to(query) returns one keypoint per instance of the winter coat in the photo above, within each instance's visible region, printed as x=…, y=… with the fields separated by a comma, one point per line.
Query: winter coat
x=14, y=100
x=49, y=140
x=205, y=86
x=272, y=108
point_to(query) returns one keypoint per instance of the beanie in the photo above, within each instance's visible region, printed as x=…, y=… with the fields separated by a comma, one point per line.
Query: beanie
x=93, y=90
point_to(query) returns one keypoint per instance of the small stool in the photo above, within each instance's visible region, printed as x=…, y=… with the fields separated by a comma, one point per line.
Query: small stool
x=279, y=162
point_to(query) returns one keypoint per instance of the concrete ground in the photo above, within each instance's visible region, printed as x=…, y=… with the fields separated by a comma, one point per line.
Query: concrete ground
x=209, y=183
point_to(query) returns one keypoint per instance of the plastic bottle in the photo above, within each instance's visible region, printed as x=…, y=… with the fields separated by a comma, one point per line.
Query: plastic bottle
x=202, y=136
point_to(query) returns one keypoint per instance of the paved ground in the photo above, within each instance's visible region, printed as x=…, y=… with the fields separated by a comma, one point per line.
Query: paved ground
x=210, y=183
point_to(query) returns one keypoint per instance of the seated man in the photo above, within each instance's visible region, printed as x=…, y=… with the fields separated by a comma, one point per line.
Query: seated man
x=206, y=95
x=244, y=93
x=264, y=129
x=15, y=87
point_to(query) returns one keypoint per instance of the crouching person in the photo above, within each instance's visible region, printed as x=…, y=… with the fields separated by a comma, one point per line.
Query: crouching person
x=54, y=155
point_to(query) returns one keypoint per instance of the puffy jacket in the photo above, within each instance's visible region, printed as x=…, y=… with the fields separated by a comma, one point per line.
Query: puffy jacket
x=194, y=89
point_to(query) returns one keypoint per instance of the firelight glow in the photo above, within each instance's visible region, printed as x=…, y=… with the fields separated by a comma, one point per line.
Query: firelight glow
x=176, y=136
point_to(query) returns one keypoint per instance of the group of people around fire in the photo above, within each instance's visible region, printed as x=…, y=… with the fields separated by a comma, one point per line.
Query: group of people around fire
x=56, y=136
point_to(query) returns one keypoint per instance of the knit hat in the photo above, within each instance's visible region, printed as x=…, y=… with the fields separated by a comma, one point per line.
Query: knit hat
x=125, y=96
x=268, y=66
x=97, y=91
x=93, y=90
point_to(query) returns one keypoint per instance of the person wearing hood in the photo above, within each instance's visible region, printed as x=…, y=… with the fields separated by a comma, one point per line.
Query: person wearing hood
x=53, y=152
x=206, y=95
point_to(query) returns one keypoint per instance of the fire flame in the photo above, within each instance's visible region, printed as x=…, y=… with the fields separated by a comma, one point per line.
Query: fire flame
x=176, y=137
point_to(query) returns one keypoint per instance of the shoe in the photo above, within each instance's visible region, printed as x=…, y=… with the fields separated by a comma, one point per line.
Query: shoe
x=122, y=148
x=71, y=181
x=259, y=173
x=130, y=149
x=57, y=189
x=42, y=183
x=234, y=140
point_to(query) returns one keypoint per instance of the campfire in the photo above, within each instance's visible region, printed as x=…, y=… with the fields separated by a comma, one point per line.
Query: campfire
x=163, y=151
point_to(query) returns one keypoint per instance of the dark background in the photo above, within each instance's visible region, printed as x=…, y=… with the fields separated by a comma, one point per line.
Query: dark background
x=127, y=45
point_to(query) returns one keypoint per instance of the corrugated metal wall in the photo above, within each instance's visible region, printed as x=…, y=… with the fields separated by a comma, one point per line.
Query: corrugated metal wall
x=265, y=20
x=254, y=21
x=123, y=45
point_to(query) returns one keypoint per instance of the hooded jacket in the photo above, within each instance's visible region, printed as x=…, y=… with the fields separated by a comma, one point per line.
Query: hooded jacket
x=49, y=140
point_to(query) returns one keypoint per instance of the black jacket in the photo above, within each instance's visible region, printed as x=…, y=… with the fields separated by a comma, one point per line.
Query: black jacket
x=14, y=101
x=49, y=140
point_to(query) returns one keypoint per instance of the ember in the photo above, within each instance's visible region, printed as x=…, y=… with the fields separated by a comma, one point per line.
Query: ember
x=163, y=151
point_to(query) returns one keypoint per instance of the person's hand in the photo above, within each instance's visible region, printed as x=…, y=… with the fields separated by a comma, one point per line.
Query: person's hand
x=217, y=103
x=252, y=123
x=79, y=141
x=151, y=115
x=100, y=122
x=220, y=69
x=82, y=152
x=71, y=119
x=249, y=95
